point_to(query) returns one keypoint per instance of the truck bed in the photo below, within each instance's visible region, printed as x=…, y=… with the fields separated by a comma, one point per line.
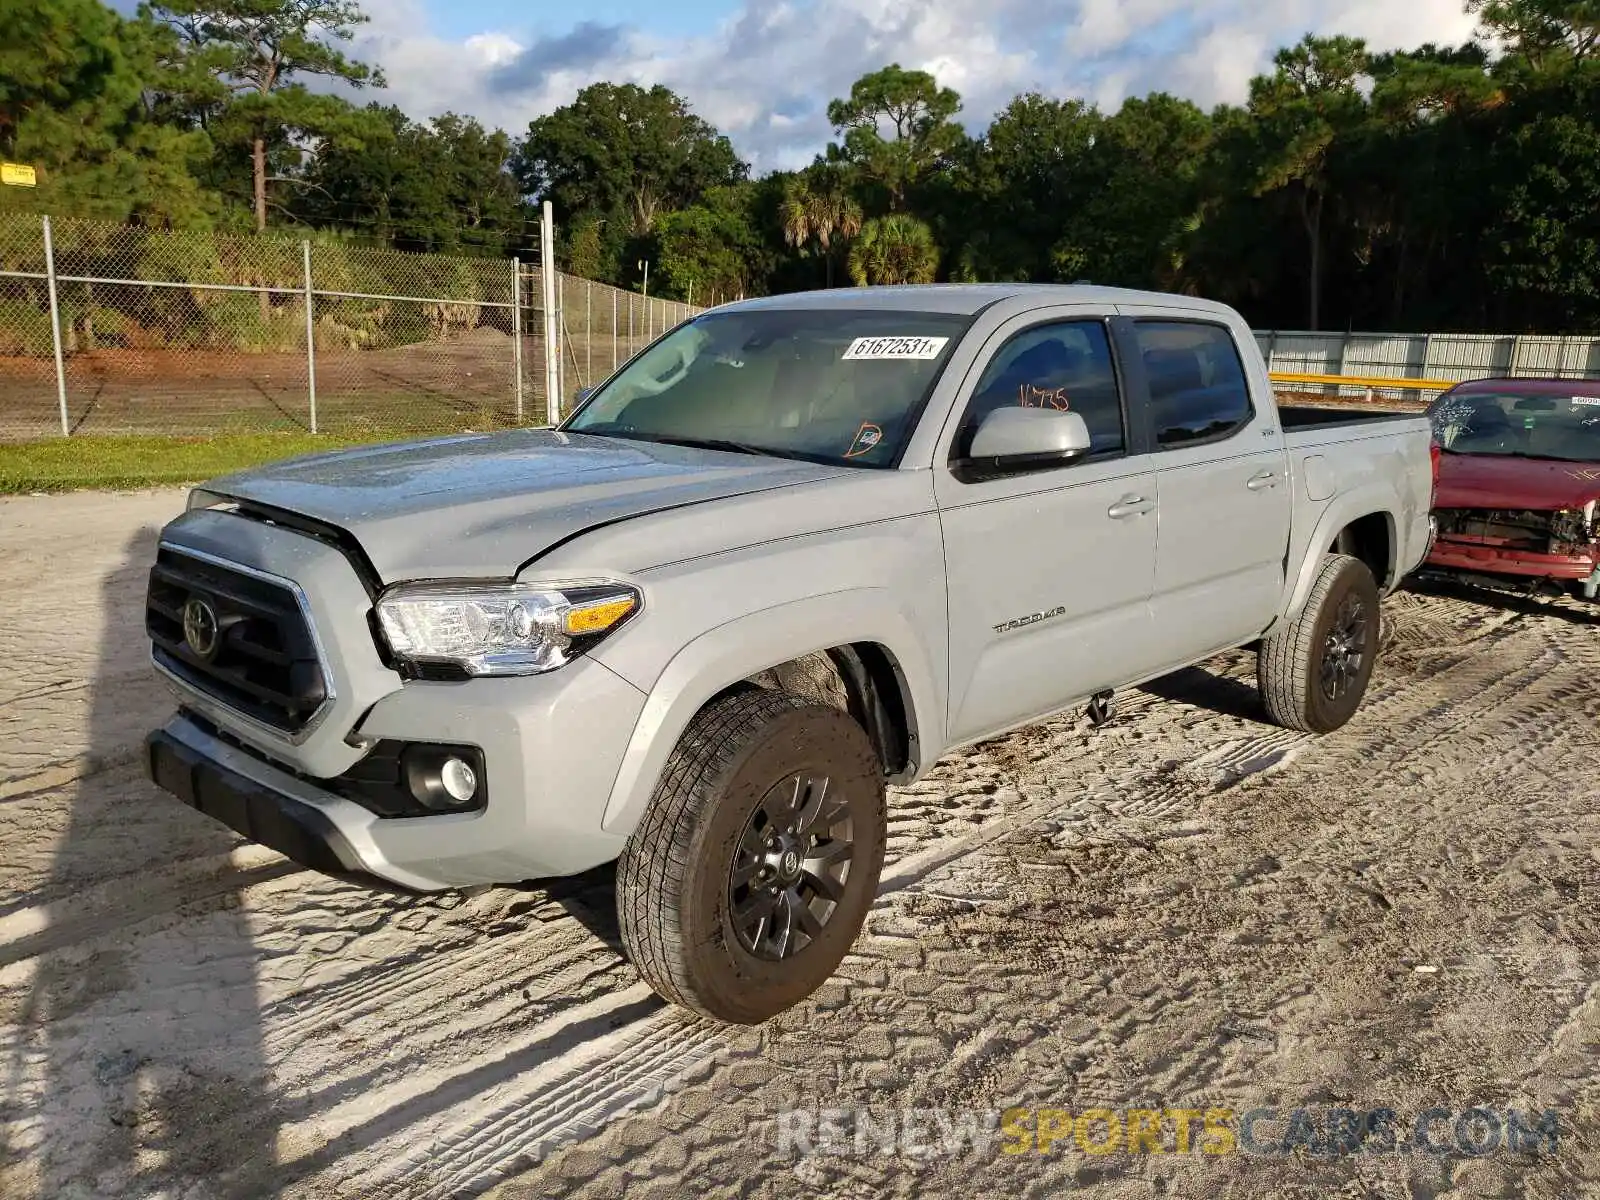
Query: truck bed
x=1307, y=416
x=1307, y=428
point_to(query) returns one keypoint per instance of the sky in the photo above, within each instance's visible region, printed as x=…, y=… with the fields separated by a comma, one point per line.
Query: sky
x=763, y=71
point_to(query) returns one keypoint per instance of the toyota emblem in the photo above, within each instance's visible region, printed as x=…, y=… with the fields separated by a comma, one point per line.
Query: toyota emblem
x=202, y=633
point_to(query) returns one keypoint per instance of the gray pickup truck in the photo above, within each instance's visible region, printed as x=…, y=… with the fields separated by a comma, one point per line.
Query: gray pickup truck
x=794, y=551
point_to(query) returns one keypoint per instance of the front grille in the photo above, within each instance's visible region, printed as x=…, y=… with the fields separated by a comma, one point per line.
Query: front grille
x=248, y=643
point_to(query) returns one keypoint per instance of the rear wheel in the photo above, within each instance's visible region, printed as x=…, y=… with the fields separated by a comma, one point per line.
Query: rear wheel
x=1314, y=670
x=757, y=858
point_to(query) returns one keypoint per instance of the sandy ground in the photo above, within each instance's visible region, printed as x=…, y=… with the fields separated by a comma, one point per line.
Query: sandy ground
x=1187, y=909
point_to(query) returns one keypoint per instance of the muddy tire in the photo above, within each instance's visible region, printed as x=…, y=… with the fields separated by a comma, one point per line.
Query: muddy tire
x=1314, y=670
x=757, y=858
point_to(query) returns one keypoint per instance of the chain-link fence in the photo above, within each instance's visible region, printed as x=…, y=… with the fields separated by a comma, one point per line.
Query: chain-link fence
x=116, y=329
x=603, y=327
x=121, y=329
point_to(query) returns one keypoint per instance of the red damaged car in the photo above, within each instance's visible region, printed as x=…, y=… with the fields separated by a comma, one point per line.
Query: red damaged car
x=1519, y=483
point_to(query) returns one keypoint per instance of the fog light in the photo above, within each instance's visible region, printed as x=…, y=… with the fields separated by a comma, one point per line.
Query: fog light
x=459, y=779
x=444, y=778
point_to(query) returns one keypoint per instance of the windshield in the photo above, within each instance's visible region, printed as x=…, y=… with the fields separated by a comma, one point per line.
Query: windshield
x=843, y=385
x=1518, y=424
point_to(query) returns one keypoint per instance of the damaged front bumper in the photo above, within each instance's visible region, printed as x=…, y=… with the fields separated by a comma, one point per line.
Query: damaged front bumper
x=1455, y=554
x=1521, y=546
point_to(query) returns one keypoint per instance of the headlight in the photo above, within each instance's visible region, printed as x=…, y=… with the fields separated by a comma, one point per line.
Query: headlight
x=501, y=629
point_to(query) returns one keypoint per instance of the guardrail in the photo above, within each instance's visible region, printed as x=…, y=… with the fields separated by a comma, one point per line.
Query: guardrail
x=1370, y=382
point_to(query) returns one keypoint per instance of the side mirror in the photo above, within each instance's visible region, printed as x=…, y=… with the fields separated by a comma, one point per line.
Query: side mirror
x=582, y=394
x=1014, y=440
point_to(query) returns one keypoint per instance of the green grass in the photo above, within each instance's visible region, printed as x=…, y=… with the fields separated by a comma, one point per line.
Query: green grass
x=63, y=464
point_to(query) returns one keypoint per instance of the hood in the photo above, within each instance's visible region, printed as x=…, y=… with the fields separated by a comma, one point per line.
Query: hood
x=484, y=505
x=1499, y=481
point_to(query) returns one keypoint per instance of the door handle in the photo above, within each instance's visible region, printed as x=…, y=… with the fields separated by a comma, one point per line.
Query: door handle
x=1130, y=506
x=1267, y=479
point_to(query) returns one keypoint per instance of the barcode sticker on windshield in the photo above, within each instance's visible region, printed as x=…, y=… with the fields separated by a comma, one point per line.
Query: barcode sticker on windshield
x=915, y=348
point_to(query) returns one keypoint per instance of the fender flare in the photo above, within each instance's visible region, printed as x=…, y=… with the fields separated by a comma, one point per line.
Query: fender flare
x=750, y=644
x=1349, y=507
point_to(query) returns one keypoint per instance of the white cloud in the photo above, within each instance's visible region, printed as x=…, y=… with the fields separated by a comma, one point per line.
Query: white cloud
x=765, y=75
x=493, y=49
x=1235, y=40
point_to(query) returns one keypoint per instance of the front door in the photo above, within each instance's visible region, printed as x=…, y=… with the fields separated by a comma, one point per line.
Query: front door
x=1049, y=573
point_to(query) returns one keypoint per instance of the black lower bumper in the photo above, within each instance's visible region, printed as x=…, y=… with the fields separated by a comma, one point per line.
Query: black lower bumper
x=294, y=829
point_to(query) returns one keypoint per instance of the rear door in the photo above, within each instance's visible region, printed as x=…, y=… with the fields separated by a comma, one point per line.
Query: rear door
x=1049, y=572
x=1224, y=484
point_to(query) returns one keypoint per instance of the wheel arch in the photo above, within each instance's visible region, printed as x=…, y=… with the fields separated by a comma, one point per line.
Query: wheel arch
x=1356, y=519
x=887, y=674
x=1370, y=538
x=863, y=679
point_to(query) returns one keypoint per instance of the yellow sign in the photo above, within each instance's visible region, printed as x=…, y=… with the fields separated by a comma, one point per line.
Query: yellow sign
x=18, y=175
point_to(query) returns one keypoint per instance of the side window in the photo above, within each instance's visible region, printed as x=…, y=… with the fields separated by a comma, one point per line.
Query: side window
x=1198, y=391
x=1066, y=366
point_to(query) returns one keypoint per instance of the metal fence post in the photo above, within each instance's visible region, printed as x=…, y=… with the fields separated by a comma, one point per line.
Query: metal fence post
x=516, y=330
x=55, y=327
x=552, y=336
x=588, y=330
x=613, y=331
x=1514, y=366
x=563, y=339
x=311, y=337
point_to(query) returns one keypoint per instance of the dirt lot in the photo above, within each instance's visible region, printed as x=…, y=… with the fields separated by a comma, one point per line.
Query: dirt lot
x=1188, y=909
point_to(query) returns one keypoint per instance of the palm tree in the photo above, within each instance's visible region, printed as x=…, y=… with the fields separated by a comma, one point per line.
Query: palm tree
x=819, y=212
x=897, y=248
x=1177, y=272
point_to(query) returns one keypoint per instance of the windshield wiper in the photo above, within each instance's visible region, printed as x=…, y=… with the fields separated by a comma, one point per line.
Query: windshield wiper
x=1543, y=457
x=725, y=444
x=1513, y=454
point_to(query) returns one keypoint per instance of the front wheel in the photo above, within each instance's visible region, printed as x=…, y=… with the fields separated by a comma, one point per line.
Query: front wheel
x=757, y=857
x=1314, y=670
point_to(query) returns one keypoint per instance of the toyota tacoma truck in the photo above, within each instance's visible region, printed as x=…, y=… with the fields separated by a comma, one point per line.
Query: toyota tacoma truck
x=1519, y=482
x=791, y=553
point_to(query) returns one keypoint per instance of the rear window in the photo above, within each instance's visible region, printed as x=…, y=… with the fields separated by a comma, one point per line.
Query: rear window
x=1198, y=391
